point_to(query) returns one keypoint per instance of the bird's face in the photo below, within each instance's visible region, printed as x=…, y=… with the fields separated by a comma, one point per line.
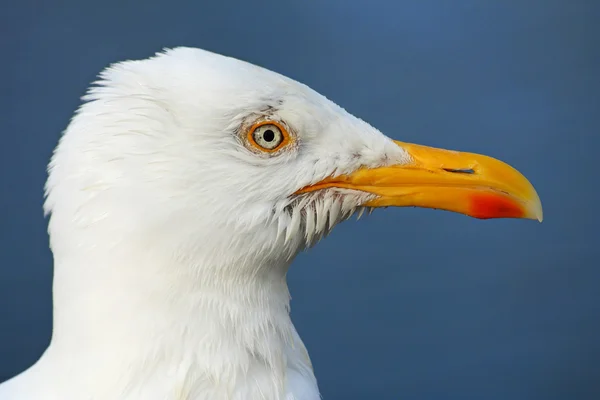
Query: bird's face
x=219, y=145
x=309, y=164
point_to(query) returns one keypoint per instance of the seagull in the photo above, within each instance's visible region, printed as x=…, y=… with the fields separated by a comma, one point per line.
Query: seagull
x=178, y=196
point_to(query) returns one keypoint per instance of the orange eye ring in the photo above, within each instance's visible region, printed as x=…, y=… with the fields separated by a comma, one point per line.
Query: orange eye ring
x=268, y=136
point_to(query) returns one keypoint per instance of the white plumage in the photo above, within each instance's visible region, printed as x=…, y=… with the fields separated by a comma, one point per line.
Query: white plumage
x=171, y=240
x=172, y=235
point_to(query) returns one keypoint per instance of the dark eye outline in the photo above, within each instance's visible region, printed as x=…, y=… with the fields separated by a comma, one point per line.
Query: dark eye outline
x=285, y=136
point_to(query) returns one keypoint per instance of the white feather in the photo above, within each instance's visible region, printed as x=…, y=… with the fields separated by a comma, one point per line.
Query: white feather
x=167, y=232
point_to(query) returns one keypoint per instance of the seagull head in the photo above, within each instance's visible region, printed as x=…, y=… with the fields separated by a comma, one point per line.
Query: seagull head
x=203, y=152
x=179, y=194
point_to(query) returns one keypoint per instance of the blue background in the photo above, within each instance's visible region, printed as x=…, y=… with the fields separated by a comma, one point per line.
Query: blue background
x=408, y=303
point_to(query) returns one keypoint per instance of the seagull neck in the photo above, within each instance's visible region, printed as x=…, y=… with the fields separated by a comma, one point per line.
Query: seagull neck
x=111, y=314
x=95, y=298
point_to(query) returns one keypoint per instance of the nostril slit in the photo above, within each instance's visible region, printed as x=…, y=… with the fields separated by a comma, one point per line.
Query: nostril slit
x=460, y=170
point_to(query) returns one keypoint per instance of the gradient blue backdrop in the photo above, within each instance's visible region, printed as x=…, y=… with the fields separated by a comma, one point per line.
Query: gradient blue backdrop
x=409, y=303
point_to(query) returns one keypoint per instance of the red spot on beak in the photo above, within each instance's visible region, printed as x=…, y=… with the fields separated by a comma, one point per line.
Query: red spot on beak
x=495, y=205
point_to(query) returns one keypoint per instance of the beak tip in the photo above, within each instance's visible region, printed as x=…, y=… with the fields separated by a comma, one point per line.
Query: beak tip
x=539, y=214
x=540, y=217
x=535, y=209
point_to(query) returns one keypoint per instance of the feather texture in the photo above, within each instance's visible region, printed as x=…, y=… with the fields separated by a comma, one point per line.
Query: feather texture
x=172, y=239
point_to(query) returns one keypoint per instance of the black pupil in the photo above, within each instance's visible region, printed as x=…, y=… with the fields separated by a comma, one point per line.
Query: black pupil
x=269, y=135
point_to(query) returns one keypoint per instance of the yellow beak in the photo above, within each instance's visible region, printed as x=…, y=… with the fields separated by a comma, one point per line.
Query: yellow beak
x=467, y=183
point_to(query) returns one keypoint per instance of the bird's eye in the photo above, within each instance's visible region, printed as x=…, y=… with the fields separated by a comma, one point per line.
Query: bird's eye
x=268, y=136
